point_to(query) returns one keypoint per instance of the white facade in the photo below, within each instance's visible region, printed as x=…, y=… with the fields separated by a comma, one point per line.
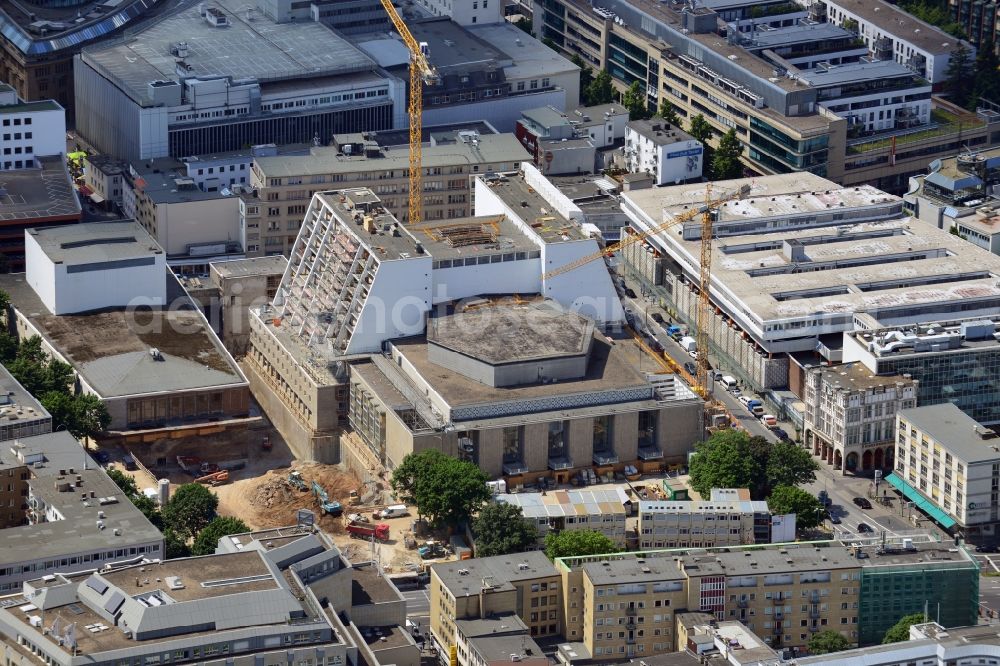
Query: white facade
x=29, y=129
x=213, y=173
x=179, y=225
x=466, y=12
x=914, y=43
x=650, y=149
x=105, y=275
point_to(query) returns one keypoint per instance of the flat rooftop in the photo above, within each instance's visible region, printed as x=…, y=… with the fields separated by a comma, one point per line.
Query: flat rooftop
x=901, y=25
x=764, y=38
x=858, y=252
x=561, y=503
x=238, y=268
x=369, y=586
x=110, y=349
x=854, y=72
x=516, y=334
x=955, y=431
x=463, y=238
x=492, y=150
x=530, y=58
x=16, y=404
x=972, y=637
x=202, y=577
x=166, y=181
x=609, y=369
x=533, y=208
x=930, y=338
x=855, y=377
x=30, y=107
x=659, y=132
x=95, y=242
x=41, y=195
x=464, y=578
x=385, y=638
x=253, y=47
x=77, y=532
x=452, y=46
x=702, y=506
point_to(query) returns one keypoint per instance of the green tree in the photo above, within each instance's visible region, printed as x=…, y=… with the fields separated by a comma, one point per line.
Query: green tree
x=501, y=528
x=901, y=630
x=987, y=79
x=725, y=461
x=700, y=129
x=221, y=526
x=669, y=114
x=175, y=546
x=8, y=347
x=808, y=510
x=959, y=75
x=827, y=641
x=192, y=507
x=524, y=23
x=82, y=415
x=573, y=543
x=586, y=75
x=726, y=158
x=447, y=491
x=788, y=465
x=125, y=482
x=634, y=100
x=600, y=90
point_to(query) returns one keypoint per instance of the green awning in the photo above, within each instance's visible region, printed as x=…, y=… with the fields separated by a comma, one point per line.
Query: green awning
x=921, y=502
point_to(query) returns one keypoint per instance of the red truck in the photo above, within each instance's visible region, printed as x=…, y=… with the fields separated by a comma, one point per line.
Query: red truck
x=368, y=530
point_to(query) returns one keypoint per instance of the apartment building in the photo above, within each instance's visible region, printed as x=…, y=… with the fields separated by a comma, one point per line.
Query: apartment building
x=801, y=95
x=523, y=585
x=850, y=415
x=711, y=523
x=979, y=20
x=949, y=465
x=21, y=416
x=669, y=154
x=270, y=216
x=29, y=129
x=601, y=510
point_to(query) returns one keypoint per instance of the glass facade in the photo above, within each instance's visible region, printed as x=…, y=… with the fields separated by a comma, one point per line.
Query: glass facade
x=968, y=379
x=783, y=154
x=626, y=62
x=949, y=594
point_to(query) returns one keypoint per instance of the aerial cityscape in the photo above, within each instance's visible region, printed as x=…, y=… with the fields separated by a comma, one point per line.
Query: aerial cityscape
x=470, y=332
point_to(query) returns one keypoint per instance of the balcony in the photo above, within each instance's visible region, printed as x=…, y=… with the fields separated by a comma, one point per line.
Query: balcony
x=605, y=458
x=560, y=463
x=650, y=453
x=515, y=468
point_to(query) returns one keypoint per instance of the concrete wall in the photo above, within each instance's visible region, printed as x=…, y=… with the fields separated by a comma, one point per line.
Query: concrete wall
x=510, y=374
x=192, y=222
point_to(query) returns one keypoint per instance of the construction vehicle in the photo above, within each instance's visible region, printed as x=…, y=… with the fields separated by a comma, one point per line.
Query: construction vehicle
x=421, y=72
x=326, y=505
x=215, y=478
x=705, y=211
x=431, y=550
x=295, y=481
x=355, y=498
x=379, y=531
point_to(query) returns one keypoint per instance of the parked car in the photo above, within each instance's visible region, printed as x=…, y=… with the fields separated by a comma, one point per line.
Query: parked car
x=834, y=519
x=824, y=498
x=986, y=548
x=770, y=420
x=862, y=503
x=654, y=344
x=865, y=528
x=630, y=292
x=103, y=457
x=782, y=435
x=657, y=317
x=690, y=368
x=735, y=391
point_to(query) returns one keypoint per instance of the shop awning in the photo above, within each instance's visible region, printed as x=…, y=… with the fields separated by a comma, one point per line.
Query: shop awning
x=921, y=502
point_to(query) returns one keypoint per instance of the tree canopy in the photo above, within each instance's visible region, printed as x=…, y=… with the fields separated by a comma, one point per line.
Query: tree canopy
x=901, y=630
x=669, y=113
x=700, y=129
x=599, y=90
x=190, y=510
x=586, y=75
x=827, y=641
x=733, y=459
x=501, y=528
x=808, y=510
x=726, y=158
x=447, y=491
x=208, y=538
x=574, y=543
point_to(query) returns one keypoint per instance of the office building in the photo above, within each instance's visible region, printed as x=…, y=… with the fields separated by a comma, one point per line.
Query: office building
x=801, y=95
x=795, y=258
x=955, y=361
x=949, y=466
x=101, y=299
x=595, y=509
x=103, y=180
x=244, y=284
x=74, y=517
x=29, y=130
x=892, y=34
x=668, y=154
x=271, y=211
x=568, y=142
x=38, y=42
x=193, y=226
x=487, y=72
x=220, y=76
x=358, y=279
x=850, y=415
x=467, y=13
x=719, y=521
x=32, y=198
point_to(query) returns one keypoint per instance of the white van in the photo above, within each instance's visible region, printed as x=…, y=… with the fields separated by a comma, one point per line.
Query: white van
x=394, y=511
x=729, y=382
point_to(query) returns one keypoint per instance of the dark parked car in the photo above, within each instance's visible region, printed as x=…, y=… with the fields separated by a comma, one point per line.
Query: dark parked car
x=655, y=345
x=630, y=292
x=986, y=548
x=834, y=519
x=865, y=528
x=782, y=435
x=657, y=317
x=862, y=503
x=690, y=368
x=102, y=457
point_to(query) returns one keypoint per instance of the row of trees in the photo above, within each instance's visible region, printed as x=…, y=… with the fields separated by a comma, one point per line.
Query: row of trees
x=734, y=459
x=828, y=640
x=969, y=80
x=189, y=521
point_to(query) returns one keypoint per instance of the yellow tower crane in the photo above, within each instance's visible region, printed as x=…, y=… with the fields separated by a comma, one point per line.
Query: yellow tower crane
x=421, y=72
x=704, y=307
